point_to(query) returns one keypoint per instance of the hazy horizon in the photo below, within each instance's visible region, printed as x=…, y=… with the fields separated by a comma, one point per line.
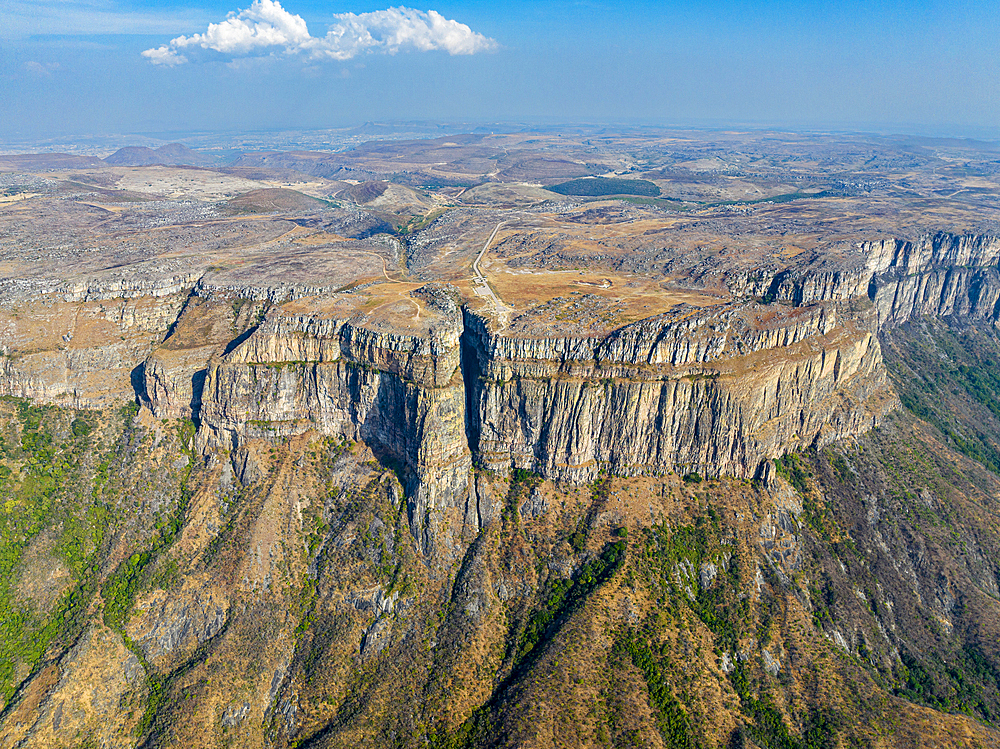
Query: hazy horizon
x=77, y=69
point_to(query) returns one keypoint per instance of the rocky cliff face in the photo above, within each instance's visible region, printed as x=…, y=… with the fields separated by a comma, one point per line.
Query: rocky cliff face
x=936, y=274
x=716, y=393
x=81, y=353
x=940, y=274
x=431, y=387
x=932, y=251
x=339, y=373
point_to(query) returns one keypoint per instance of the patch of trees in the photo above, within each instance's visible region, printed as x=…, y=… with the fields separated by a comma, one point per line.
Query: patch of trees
x=597, y=186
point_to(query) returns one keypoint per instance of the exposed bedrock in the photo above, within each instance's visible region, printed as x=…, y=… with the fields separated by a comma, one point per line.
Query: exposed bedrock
x=968, y=292
x=757, y=387
x=402, y=394
x=431, y=387
x=936, y=274
x=939, y=274
x=429, y=360
x=174, y=372
x=688, y=337
x=80, y=353
x=940, y=250
x=419, y=430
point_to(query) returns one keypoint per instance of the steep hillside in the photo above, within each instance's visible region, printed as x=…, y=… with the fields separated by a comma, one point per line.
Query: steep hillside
x=947, y=373
x=850, y=599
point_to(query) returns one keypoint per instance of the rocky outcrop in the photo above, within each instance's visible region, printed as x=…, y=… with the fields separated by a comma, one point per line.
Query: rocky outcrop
x=852, y=272
x=967, y=292
x=422, y=430
x=936, y=274
x=402, y=394
x=135, y=283
x=822, y=280
x=651, y=401
x=174, y=373
x=717, y=390
x=930, y=251
x=428, y=360
x=684, y=337
x=940, y=274
x=80, y=353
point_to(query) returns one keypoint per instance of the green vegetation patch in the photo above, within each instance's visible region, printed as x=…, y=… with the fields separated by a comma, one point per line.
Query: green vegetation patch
x=951, y=687
x=601, y=186
x=559, y=600
x=135, y=572
x=138, y=572
x=671, y=718
x=563, y=596
x=672, y=559
x=522, y=482
x=46, y=486
x=817, y=512
x=950, y=378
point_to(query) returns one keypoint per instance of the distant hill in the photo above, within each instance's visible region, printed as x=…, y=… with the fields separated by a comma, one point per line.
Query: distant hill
x=30, y=161
x=172, y=154
x=335, y=166
x=459, y=160
x=278, y=174
x=396, y=128
x=595, y=186
x=270, y=200
x=366, y=192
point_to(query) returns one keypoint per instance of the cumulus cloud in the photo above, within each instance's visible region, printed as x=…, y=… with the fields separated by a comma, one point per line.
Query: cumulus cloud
x=266, y=28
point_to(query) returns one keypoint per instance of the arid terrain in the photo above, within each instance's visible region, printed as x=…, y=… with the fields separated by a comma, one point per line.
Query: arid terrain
x=539, y=439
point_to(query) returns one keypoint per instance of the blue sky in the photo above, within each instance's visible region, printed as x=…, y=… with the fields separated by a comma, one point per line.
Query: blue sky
x=76, y=67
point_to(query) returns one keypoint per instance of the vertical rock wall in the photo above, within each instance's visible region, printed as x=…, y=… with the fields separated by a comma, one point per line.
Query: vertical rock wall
x=721, y=412
x=403, y=395
x=935, y=274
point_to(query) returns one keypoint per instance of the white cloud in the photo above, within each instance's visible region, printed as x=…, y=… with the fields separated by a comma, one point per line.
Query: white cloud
x=164, y=55
x=265, y=27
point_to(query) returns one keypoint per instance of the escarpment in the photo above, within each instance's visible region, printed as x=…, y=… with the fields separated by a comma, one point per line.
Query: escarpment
x=434, y=384
x=939, y=274
x=717, y=393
